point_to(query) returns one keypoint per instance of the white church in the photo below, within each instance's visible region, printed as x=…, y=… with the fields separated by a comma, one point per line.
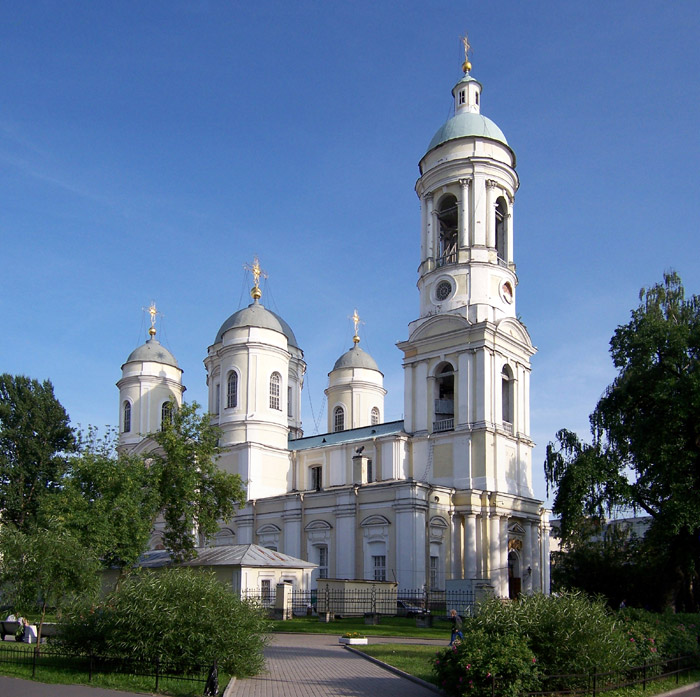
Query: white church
x=447, y=492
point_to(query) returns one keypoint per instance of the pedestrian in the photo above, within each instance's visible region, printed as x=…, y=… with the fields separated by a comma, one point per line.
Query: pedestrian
x=456, y=627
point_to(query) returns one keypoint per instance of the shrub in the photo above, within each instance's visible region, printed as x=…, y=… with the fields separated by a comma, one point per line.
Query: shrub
x=471, y=666
x=569, y=633
x=660, y=636
x=176, y=615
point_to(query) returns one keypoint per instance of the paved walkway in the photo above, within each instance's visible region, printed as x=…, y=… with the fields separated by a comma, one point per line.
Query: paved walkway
x=313, y=665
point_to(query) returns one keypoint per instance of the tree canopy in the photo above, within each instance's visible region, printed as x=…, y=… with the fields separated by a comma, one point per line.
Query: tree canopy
x=645, y=449
x=193, y=493
x=35, y=438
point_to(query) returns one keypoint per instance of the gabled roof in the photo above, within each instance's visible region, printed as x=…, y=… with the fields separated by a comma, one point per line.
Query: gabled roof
x=228, y=555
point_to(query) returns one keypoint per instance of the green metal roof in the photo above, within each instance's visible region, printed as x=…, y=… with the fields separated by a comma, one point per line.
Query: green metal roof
x=352, y=434
x=467, y=125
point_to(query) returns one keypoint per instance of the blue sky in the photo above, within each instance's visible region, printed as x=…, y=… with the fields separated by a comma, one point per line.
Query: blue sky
x=150, y=150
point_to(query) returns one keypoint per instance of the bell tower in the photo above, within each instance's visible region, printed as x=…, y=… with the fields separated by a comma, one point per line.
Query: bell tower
x=467, y=358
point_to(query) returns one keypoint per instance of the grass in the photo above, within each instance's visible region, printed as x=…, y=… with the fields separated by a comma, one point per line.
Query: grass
x=416, y=660
x=410, y=658
x=66, y=675
x=389, y=626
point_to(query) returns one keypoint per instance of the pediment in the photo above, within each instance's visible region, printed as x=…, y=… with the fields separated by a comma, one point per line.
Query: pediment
x=515, y=329
x=438, y=325
x=318, y=525
x=375, y=520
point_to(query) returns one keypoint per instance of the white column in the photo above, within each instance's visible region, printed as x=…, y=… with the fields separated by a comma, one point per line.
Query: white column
x=479, y=209
x=509, y=231
x=495, y=552
x=464, y=240
x=536, y=559
x=470, y=567
x=410, y=543
x=504, y=557
x=408, y=397
x=430, y=227
x=462, y=394
x=527, y=558
x=490, y=213
x=545, y=551
x=345, y=523
x=457, y=560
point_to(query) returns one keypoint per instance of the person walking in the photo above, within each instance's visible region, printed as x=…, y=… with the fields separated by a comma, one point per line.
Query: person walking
x=456, y=626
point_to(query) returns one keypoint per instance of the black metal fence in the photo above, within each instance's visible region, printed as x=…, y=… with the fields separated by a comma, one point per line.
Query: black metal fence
x=595, y=682
x=164, y=674
x=360, y=601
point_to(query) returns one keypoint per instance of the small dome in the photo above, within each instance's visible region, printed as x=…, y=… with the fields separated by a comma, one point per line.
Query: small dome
x=256, y=315
x=154, y=352
x=356, y=358
x=465, y=125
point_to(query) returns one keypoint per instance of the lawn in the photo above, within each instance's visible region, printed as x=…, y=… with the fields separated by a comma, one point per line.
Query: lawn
x=416, y=660
x=410, y=658
x=389, y=626
x=65, y=675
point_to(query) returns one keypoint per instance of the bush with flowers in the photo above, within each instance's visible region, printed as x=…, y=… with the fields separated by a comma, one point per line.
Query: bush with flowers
x=483, y=662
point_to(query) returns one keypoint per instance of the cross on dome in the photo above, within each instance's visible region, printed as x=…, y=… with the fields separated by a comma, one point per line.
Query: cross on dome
x=255, y=269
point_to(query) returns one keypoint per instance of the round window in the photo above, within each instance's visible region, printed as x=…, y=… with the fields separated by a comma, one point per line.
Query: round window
x=443, y=290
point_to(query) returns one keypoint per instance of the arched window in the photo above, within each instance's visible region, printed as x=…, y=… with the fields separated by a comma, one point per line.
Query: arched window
x=127, y=417
x=501, y=216
x=275, y=384
x=507, y=397
x=444, y=398
x=448, y=221
x=166, y=414
x=232, y=390
x=338, y=419
x=374, y=416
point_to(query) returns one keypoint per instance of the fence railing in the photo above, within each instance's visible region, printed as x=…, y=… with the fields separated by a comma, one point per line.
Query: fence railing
x=597, y=682
x=163, y=673
x=353, y=601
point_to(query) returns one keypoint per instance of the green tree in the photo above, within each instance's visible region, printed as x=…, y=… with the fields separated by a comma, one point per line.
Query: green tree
x=645, y=451
x=175, y=615
x=193, y=493
x=47, y=567
x=35, y=437
x=107, y=500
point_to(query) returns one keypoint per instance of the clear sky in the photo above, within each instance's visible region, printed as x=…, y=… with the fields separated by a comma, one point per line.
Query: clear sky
x=148, y=150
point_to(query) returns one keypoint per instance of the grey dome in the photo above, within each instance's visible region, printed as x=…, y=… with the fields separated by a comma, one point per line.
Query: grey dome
x=154, y=352
x=256, y=315
x=356, y=358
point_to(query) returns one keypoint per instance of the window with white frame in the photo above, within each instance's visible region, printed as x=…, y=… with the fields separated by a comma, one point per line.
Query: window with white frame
x=166, y=415
x=434, y=572
x=338, y=419
x=374, y=416
x=275, y=386
x=232, y=390
x=316, y=477
x=265, y=591
x=379, y=565
x=322, y=561
x=127, y=417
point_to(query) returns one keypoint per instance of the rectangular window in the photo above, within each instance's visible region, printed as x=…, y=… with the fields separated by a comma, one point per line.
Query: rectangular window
x=369, y=471
x=434, y=572
x=265, y=591
x=316, y=477
x=379, y=563
x=323, y=562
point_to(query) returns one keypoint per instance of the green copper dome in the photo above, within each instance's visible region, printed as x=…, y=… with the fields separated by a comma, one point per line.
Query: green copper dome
x=466, y=125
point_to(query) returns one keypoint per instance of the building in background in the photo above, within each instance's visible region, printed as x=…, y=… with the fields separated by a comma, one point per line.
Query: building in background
x=444, y=495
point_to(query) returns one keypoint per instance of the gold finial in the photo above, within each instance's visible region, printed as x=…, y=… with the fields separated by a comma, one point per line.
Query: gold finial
x=466, y=66
x=356, y=319
x=255, y=269
x=153, y=312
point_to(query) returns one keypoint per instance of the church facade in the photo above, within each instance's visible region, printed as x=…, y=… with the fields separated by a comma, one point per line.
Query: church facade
x=446, y=494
